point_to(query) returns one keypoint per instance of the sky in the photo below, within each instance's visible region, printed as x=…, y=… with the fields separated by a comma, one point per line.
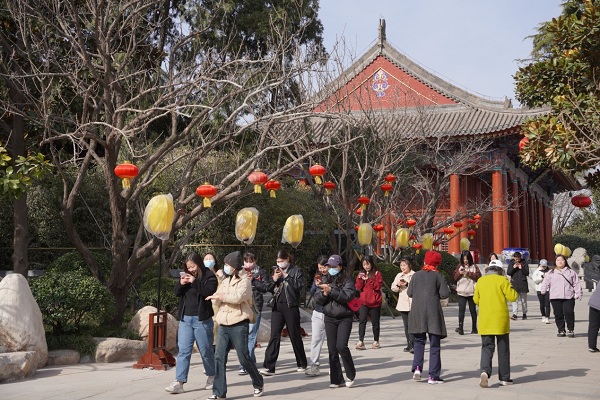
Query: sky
x=474, y=44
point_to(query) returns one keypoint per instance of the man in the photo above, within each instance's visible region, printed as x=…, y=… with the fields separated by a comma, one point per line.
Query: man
x=492, y=292
x=518, y=270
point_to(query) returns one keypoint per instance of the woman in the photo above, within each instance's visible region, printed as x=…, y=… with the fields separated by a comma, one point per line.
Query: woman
x=259, y=280
x=334, y=297
x=518, y=270
x=400, y=286
x=317, y=320
x=210, y=262
x=544, y=299
x=427, y=287
x=369, y=281
x=196, y=324
x=234, y=298
x=465, y=275
x=564, y=287
x=286, y=285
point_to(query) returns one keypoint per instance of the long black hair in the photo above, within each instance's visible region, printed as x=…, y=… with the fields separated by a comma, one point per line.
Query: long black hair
x=196, y=259
x=284, y=254
x=466, y=253
x=370, y=260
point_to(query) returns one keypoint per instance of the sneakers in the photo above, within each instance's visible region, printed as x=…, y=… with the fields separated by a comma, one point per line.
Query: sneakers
x=434, y=381
x=514, y=317
x=524, y=316
x=258, y=392
x=313, y=370
x=214, y=397
x=593, y=350
x=360, y=346
x=375, y=345
x=547, y=320
x=561, y=334
x=506, y=383
x=336, y=385
x=242, y=371
x=571, y=334
x=349, y=382
x=175, y=387
x=483, y=380
x=301, y=369
x=209, y=383
x=417, y=374
x=266, y=372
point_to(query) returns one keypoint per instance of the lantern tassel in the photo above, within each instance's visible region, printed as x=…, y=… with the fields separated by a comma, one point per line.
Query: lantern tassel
x=126, y=183
x=387, y=193
x=328, y=192
x=418, y=251
x=318, y=180
x=206, y=202
x=272, y=194
x=257, y=189
x=363, y=207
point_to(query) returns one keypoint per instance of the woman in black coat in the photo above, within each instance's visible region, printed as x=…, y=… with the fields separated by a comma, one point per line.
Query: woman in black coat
x=334, y=297
x=518, y=270
x=427, y=287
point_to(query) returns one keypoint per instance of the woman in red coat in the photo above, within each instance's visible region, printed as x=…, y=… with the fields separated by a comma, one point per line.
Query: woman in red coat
x=369, y=281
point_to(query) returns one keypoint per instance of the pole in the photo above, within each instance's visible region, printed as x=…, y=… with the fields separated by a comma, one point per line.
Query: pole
x=159, y=274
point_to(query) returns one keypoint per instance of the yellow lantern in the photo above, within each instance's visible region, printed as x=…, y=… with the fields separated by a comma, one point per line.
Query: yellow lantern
x=293, y=230
x=464, y=244
x=427, y=241
x=365, y=234
x=158, y=216
x=245, y=224
x=558, y=249
x=402, y=236
x=586, y=258
x=567, y=252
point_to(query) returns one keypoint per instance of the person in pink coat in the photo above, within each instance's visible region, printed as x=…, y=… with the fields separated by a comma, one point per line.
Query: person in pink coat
x=369, y=281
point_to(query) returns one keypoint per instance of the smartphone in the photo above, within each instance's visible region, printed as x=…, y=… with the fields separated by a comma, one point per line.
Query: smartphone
x=181, y=274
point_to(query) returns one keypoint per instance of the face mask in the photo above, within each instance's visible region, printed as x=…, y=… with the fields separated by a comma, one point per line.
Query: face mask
x=333, y=271
x=283, y=264
x=228, y=270
x=209, y=263
x=248, y=265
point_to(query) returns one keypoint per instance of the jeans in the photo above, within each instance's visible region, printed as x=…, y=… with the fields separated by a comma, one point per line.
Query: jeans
x=363, y=315
x=487, y=353
x=190, y=330
x=523, y=300
x=281, y=316
x=435, y=359
x=544, y=300
x=564, y=311
x=338, y=335
x=237, y=335
x=252, y=335
x=593, y=327
x=462, y=306
x=318, y=336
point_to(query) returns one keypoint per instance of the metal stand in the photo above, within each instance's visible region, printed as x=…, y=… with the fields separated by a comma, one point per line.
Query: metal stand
x=157, y=356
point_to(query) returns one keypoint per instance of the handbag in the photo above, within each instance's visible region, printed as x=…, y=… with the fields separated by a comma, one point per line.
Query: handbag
x=354, y=304
x=273, y=299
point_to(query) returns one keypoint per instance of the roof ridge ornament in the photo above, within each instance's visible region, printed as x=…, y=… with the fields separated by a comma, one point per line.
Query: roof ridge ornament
x=381, y=33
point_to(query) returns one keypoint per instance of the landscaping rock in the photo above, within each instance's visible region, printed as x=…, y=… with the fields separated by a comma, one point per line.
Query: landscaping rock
x=140, y=322
x=17, y=365
x=63, y=357
x=118, y=349
x=21, y=325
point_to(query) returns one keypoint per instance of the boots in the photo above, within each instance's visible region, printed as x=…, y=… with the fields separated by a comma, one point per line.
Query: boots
x=460, y=330
x=474, y=329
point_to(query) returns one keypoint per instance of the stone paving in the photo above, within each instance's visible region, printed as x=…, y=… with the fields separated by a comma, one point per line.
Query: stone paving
x=543, y=366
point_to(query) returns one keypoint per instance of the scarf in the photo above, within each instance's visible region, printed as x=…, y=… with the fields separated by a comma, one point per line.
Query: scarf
x=430, y=268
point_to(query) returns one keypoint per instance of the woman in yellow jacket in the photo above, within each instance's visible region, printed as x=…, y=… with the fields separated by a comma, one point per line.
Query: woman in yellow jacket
x=492, y=292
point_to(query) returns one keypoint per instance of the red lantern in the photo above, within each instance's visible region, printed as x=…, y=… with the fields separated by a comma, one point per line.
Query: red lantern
x=206, y=191
x=272, y=186
x=387, y=188
x=417, y=247
x=358, y=211
x=317, y=171
x=257, y=178
x=471, y=233
x=364, y=200
x=329, y=186
x=412, y=237
x=356, y=228
x=477, y=219
x=390, y=178
x=471, y=221
x=448, y=231
x=436, y=244
x=523, y=143
x=458, y=224
x=126, y=171
x=302, y=183
x=411, y=222
x=379, y=229
x=581, y=201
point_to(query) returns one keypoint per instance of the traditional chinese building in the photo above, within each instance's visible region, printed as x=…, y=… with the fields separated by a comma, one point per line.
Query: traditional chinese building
x=388, y=81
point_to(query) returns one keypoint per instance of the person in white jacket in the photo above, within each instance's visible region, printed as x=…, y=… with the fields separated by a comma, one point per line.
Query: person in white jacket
x=400, y=286
x=544, y=299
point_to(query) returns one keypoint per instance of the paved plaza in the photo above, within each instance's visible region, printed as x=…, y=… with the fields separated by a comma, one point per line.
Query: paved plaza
x=543, y=366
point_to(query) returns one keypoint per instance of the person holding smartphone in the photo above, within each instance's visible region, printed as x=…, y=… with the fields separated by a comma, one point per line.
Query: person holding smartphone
x=317, y=320
x=195, y=313
x=369, y=281
x=466, y=275
x=400, y=286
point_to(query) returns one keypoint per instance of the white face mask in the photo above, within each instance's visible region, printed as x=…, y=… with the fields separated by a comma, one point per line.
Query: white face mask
x=283, y=264
x=248, y=265
x=227, y=269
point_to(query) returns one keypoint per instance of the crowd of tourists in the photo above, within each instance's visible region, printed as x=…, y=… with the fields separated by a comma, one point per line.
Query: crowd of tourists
x=220, y=310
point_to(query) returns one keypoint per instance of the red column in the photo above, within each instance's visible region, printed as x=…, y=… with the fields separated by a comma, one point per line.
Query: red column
x=506, y=242
x=541, y=229
x=463, y=206
x=549, y=222
x=497, y=219
x=454, y=243
x=524, y=218
x=515, y=220
x=533, y=249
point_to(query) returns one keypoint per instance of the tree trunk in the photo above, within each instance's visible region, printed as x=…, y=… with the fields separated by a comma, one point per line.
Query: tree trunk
x=20, y=259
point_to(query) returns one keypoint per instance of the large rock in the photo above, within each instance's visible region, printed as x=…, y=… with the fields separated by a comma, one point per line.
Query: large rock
x=21, y=325
x=140, y=322
x=63, y=357
x=17, y=365
x=577, y=260
x=117, y=349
